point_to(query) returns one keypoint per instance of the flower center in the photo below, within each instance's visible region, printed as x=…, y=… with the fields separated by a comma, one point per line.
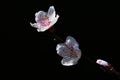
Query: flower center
x=73, y=53
x=45, y=21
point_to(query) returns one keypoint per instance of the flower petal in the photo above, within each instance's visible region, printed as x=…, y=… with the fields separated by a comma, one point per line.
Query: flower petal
x=40, y=15
x=102, y=62
x=51, y=13
x=34, y=25
x=63, y=50
x=69, y=61
x=54, y=21
x=42, y=28
x=71, y=42
x=39, y=27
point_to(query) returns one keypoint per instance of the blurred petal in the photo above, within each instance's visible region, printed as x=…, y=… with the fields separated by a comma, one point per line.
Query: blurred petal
x=34, y=25
x=69, y=61
x=71, y=42
x=102, y=62
x=42, y=28
x=63, y=50
x=51, y=13
x=39, y=15
x=54, y=20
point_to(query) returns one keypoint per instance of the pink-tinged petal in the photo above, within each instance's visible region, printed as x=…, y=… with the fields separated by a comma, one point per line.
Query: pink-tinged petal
x=106, y=65
x=42, y=28
x=39, y=15
x=102, y=62
x=35, y=25
x=53, y=21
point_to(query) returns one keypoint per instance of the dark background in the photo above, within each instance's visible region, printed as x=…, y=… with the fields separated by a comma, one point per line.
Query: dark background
x=95, y=25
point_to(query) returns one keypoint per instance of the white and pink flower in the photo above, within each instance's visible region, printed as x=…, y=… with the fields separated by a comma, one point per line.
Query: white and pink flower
x=69, y=51
x=45, y=20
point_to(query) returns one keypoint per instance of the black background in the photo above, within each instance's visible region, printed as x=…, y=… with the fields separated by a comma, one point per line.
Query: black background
x=95, y=25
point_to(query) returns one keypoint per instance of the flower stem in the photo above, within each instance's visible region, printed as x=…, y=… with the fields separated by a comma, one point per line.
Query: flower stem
x=56, y=36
